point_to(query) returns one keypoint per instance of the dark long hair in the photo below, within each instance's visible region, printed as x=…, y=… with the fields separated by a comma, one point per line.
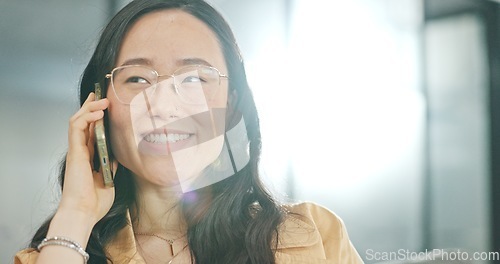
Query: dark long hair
x=221, y=225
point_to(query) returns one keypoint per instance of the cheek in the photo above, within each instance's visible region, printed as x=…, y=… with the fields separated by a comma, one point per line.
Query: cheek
x=119, y=128
x=219, y=100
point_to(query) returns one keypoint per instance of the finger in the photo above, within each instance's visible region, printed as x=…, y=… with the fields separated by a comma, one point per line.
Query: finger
x=83, y=122
x=79, y=127
x=79, y=130
x=97, y=106
x=90, y=98
x=91, y=106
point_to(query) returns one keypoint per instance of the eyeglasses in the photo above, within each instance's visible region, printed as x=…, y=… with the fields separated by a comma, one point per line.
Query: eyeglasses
x=194, y=84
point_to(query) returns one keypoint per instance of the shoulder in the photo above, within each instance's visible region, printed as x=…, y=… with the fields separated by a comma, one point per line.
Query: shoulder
x=312, y=221
x=26, y=256
x=317, y=216
x=312, y=232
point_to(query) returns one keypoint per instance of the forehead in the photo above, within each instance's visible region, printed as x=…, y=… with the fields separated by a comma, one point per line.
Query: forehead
x=169, y=36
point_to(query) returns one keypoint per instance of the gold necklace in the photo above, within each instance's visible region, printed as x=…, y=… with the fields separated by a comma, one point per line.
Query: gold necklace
x=169, y=241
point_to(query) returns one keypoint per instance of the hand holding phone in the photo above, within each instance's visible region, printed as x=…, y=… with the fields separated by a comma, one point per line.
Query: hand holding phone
x=102, y=148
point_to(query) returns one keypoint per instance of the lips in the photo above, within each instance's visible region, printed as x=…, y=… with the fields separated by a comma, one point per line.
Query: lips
x=164, y=138
x=163, y=141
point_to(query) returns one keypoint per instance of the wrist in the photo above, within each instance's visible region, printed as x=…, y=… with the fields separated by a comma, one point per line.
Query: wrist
x=72, y=224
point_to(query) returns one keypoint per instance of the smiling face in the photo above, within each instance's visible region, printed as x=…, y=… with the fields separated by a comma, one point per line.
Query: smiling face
x=167, y=132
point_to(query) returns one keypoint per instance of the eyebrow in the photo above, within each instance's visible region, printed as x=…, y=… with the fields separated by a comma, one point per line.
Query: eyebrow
x=190, y=61
x=137, y=61
x=183, y=62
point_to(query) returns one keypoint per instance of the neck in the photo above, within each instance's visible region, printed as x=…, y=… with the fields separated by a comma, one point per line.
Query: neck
x=158, y=210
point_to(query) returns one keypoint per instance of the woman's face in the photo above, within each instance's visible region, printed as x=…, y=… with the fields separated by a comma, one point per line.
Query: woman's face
x=158, y=135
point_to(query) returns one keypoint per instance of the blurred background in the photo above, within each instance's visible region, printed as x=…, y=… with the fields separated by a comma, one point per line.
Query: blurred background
x=385, y=111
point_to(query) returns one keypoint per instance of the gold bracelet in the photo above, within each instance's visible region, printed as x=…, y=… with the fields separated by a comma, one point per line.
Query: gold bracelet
x=62, y=241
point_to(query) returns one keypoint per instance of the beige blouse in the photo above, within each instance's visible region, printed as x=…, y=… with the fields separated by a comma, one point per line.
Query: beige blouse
x=310, y=234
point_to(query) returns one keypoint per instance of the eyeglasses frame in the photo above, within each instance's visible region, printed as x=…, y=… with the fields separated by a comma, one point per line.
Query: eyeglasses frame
x=110, y=75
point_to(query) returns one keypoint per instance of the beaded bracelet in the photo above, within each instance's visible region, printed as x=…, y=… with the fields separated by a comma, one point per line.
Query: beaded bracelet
x=62, y=241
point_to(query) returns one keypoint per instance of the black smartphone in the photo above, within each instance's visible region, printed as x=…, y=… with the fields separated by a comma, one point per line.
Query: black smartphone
x=102, y=148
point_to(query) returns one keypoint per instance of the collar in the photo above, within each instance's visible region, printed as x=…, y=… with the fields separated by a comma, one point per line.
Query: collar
x=296, y=231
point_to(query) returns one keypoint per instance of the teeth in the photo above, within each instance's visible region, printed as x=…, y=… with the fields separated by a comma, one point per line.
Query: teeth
x=162, y=138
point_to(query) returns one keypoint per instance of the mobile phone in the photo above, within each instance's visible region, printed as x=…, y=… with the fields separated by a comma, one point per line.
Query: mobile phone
x=102, y=148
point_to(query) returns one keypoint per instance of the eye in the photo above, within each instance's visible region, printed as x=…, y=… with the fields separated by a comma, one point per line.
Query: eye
x=138, y=79
x=192, y=79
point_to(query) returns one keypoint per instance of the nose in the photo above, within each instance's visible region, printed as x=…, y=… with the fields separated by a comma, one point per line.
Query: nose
x=165, y=102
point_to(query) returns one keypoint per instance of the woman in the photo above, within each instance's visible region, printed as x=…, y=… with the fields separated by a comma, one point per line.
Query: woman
x=185, y=142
